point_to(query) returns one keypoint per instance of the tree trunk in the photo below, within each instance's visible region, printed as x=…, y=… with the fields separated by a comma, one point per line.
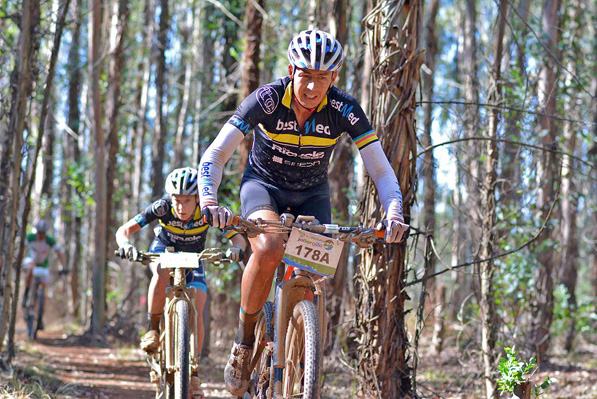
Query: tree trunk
x=23, y=76
x=185, y=92
x=489, y=321
x=569, y=267
x=249, y=80
x=428, y=167
x=161, y=125
x=547, y=174
x=98, y=317
x=117, y=32
x=391, y=29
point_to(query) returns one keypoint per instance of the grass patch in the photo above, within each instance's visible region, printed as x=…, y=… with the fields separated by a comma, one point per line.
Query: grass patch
x=31, y=383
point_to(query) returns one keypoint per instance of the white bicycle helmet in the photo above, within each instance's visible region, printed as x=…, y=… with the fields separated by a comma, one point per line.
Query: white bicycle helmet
x=182, y=181
x=40, y=227
x=316, y=50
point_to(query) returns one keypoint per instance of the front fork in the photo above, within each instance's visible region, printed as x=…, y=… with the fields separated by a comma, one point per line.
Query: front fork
x=288, y=294
x=173, y=295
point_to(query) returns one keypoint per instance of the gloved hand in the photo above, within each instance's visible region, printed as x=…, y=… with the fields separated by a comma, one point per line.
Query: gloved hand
x=235, y=253
x=63, y=271
x=218, y=216
x=129, y=252
x=396, y=231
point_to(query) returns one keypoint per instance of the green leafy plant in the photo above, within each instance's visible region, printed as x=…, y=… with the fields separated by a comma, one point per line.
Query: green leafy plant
x=513, y=372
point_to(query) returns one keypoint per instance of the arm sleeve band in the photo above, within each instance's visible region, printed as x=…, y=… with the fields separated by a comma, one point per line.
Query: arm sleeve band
x=212, y=162
x=385, y=180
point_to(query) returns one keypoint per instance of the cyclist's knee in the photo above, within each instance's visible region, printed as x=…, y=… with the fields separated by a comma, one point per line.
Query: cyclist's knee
x=268, y=250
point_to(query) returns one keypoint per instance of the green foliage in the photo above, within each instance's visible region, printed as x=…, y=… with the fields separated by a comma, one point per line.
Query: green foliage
x=513, y=372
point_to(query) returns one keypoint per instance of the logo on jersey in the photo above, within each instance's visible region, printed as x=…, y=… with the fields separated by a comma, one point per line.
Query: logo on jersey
x=345, y=110
x=160, y=208
x=310, y=126
x=292, y=125
x=287, y=152
x=268, y=99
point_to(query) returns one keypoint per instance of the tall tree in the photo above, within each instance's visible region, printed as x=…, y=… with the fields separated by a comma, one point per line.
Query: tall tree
x=184, y=84
x=568, y=273
x=98, y=318
x=22, y=78
x=249, y=79
x=547, y=174
x=117, y=34
x=161, y=124
x=141, y=100
x=487, y=310
x=428, y=167
x=392, y=33
x=74, y=131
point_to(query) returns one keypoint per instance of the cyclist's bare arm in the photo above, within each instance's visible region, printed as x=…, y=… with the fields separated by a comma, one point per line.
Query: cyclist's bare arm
x=125, y=231
x=213, y=161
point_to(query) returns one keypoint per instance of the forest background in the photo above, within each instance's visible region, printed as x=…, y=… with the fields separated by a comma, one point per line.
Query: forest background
x=491, y=129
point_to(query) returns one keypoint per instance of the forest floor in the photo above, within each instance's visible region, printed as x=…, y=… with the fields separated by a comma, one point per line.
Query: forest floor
x=63, y=366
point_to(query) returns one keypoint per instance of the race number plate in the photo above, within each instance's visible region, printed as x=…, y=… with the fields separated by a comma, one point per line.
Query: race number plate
x=186, y=260
x=313, y=252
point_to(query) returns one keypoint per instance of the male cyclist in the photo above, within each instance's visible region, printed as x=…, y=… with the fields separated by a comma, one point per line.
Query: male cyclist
x=181, y=227
x=296, y=121
x=36, y=264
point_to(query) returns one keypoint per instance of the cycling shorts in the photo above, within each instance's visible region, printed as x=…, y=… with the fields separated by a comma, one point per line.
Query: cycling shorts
x=194, y=277
x=42, y=273
x=255, y=195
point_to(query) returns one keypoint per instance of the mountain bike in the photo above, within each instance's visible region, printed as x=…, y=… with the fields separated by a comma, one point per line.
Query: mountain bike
x=288, y=351
x=175, y=360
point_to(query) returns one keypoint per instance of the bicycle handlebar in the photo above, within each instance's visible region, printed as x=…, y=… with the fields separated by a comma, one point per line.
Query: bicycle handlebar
x=209, y=255
x=362, y=236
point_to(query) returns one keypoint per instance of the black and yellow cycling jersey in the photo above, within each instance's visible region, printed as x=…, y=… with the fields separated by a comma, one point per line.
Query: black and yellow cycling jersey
x=183, y=236
x=290, y=157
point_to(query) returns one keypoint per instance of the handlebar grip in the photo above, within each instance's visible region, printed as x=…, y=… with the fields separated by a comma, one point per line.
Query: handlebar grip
x=207, y=217
x=380, y=229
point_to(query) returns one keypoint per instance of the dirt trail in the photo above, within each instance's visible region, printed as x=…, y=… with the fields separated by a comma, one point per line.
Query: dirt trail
x=91, y=371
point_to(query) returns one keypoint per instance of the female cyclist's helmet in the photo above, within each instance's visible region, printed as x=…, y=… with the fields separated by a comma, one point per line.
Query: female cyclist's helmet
x=40, y=227
x=182, y=181
x=316, y=50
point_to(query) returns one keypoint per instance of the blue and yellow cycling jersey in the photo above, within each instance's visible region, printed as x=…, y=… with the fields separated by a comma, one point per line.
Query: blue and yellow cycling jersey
x=183, y=236
x=285, y=155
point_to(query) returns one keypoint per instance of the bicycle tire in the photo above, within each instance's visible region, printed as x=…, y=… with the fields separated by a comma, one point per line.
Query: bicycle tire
x=303, y=348
x=30, y=314
x=181, y=374
x=40, y=309
x=260, y=377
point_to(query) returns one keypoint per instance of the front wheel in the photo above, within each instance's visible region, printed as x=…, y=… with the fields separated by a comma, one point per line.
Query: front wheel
x=181, y=374
x=303, y=353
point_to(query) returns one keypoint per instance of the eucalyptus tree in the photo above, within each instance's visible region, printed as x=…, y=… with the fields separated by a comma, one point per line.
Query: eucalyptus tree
x=392, y=34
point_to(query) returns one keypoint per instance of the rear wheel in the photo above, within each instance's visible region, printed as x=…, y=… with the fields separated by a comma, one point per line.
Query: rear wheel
x=303, y=353
x=181, y=374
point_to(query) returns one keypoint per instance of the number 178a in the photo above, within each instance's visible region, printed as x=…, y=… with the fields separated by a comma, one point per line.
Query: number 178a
x=314, y=254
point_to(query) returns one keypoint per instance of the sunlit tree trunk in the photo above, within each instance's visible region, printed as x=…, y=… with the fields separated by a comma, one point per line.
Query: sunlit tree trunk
x=249, y=80
x=487, y=311
x=184, y=82
x=144, y=68
x=98, y=317
x=547, y=174
x=568, y=273
x=161, y=125
x=72, y=138
x=392, y=32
